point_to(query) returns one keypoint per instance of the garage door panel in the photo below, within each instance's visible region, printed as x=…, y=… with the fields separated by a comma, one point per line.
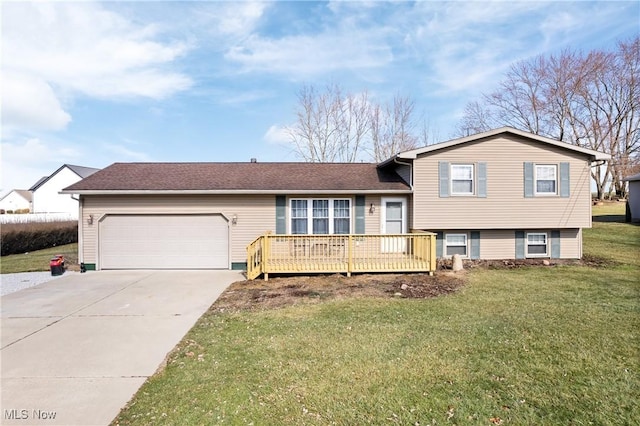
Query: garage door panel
x=164, y=242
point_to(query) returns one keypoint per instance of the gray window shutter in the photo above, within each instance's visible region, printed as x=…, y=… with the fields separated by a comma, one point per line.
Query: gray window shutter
x=482, y=180
x=475, y=244
x=528, y=180
x=444, y=178
x=564, y=180
x=359, y=214
x=281, y=214
x=555, y=244
x=520, y=253
x=439, y=244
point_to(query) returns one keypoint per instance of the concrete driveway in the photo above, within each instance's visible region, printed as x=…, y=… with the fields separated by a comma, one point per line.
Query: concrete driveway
x=76, y=349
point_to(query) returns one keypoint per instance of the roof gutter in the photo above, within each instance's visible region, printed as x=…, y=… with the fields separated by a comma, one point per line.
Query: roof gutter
x=231, y=191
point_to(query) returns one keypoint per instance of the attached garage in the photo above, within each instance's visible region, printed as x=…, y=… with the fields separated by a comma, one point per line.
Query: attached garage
x=164, y=241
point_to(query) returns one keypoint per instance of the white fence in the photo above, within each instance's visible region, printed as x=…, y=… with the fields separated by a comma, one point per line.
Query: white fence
x=36, y=217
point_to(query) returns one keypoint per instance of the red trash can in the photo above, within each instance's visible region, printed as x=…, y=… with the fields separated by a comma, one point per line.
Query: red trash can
x=57, y=265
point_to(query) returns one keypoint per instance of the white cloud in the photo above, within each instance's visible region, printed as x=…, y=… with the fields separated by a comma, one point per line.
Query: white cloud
x=27, y=160
x=81, y=49
x=304, y=55
x=277, y=135
x=30, y=102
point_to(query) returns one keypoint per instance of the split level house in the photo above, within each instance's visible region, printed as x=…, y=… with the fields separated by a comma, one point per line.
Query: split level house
x=502, y=194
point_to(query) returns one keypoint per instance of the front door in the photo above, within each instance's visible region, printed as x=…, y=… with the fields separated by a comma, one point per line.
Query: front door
x=394, y=221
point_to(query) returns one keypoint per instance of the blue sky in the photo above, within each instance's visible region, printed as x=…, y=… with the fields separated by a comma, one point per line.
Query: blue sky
x=96, y=83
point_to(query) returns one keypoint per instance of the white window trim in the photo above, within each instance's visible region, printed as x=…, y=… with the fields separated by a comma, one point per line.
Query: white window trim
x=546, y=245
x=535, y=180
x=466, y=244
x=473, y=179
x=383, y=213
x=310, y=214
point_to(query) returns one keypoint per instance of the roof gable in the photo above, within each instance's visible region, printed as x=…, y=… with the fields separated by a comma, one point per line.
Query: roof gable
x=24, y=193
x=240, y=178
x=414, y=153
x=81, y=171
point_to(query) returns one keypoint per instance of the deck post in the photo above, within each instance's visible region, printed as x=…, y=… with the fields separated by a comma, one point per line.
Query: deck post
x=350, y=256
x=433, y=262
x=266, y=253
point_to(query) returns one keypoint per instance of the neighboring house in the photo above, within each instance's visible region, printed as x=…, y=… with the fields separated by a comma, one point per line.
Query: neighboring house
x=634, y=197
x=501, y=194
x=46, y=192
x=16, y=199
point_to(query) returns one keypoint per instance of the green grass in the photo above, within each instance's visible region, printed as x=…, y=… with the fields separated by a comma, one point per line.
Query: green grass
x=38, y=260
x=542, y=346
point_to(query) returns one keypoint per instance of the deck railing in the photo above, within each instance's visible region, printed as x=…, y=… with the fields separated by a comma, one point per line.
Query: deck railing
x=287, y=254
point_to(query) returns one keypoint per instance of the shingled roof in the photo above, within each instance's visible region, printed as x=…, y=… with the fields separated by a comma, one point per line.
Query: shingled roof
x=240, y=178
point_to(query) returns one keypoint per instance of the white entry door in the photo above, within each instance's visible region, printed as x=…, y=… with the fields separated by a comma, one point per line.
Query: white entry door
x=394, y=221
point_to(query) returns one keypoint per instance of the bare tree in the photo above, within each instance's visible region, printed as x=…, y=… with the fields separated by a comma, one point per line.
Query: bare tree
x=392, y=128
x=477, y=119
x=330, y=126
x=333, y=126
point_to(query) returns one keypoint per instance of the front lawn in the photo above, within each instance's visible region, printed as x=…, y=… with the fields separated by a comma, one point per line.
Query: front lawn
x=533, y=345
x=39, y=260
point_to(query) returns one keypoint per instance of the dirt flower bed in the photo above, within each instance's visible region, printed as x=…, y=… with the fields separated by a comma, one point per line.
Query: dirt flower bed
x=284, y=291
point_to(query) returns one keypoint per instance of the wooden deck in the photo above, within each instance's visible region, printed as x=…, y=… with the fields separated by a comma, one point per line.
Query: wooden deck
x=290, y=254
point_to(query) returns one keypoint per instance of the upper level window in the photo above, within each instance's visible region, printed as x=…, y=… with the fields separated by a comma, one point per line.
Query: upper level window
x=546, y=180
x=321, y=216
x=462, y=179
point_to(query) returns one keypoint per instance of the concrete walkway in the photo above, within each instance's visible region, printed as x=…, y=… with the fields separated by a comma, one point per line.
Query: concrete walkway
x=76, y=349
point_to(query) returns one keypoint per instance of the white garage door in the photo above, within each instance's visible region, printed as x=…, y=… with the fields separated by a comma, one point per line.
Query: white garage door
x=164, y=242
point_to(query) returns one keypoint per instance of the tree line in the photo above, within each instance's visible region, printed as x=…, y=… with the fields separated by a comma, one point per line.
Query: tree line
x=591, y=100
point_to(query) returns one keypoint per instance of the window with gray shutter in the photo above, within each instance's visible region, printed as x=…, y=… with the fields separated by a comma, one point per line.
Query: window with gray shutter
x=475, y=245
x=528, y=180
x=564, y=180
x=281, y=219
x=520, y=245
x=482, y=180
x=444, y=178
x=439, y=243
x=359, y=214
x=555, y=244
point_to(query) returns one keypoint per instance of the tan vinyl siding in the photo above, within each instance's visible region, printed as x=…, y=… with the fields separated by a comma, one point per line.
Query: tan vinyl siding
x=255, y=214
x=571, y=243
x=497, y=244
x=505, y=206
x=372, y=220
x=501, y=244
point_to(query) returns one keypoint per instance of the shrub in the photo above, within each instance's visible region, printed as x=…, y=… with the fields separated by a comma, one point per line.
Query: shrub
x=26, y=237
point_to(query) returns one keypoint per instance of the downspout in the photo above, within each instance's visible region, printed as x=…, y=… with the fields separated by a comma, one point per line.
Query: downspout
x=80, y=233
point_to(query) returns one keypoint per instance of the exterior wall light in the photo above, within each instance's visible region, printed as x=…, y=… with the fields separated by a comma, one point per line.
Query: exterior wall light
x=234, y=219
x=372, y=208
